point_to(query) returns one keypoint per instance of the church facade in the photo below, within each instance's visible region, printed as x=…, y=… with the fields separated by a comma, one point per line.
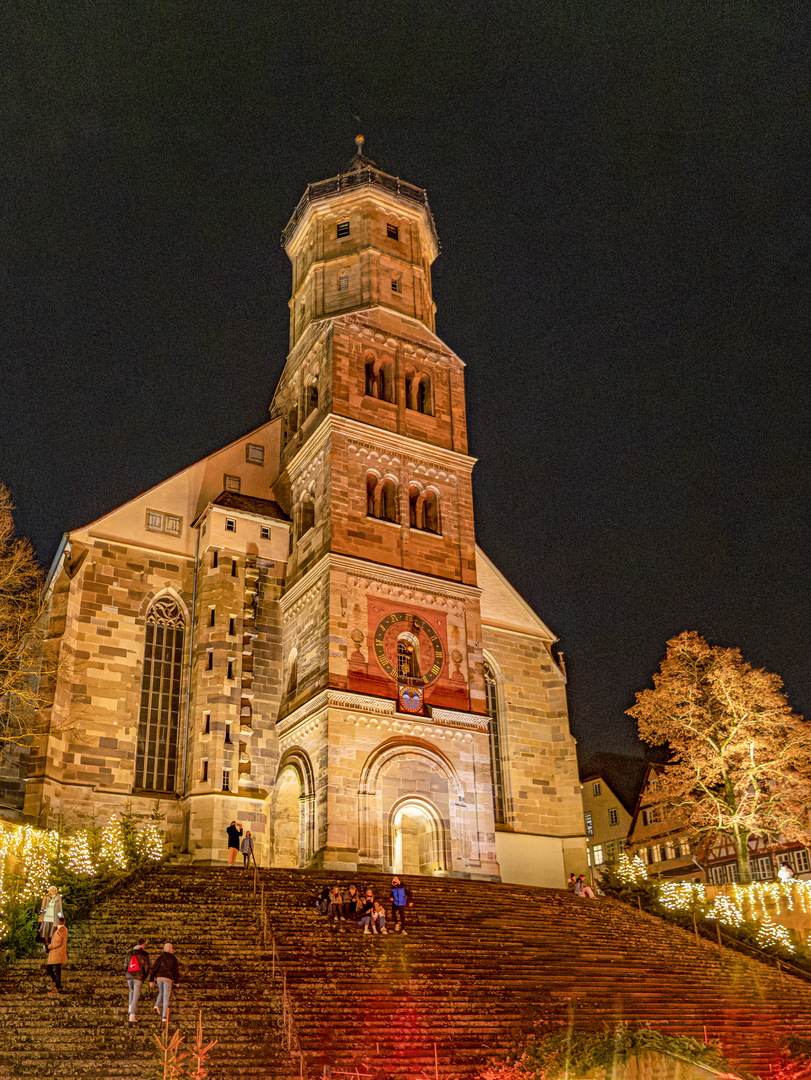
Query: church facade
x=299, y=632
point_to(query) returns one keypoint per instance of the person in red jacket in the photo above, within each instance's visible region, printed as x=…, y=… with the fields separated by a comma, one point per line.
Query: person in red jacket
x=165, y=971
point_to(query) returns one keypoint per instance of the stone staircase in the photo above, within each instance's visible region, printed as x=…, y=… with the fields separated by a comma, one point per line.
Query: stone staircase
x=482, y=965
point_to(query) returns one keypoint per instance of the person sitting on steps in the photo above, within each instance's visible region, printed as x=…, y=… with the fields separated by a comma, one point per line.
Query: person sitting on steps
x=582, y=889
x=352, y=902
x=365, y=911
x=322, y=901
x=335, y=912
x=378, y=918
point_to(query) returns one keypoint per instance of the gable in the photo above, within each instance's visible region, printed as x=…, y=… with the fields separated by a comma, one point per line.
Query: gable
x=161, y=518
x=502, y=606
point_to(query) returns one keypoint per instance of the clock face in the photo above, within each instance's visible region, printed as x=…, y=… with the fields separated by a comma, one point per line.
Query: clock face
x=408, y=649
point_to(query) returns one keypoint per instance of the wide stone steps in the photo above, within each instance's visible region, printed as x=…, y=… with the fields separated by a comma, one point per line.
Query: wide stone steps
x=482, y=964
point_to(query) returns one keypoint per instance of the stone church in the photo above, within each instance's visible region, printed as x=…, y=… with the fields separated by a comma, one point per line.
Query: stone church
x=299, y=631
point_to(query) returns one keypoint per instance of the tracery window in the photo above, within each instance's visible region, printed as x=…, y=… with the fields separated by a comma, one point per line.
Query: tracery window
x=159, y=717
x=496, y=770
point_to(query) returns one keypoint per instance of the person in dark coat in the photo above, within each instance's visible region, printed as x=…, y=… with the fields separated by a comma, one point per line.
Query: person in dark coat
x=57, y=954
x=137, y=969
x=234, y=831
x=164, y=971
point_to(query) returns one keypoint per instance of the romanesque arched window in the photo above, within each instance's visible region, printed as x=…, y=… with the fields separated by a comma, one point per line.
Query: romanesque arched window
x=496, y=743
x=379, y=379
x=382, y=498
x=423, y=508
x=159, y=719
x=418, y=395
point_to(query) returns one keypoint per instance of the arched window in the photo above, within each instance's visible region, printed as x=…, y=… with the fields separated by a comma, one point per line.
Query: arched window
x=381, y=497
x=418, y=391
x=379, y=380
x=496, y=771
x=371, y=379
x=310, y=399
x=159, y=717
x=307, y=516
x=414, y=505
x=423, y=401
x=388, y=501
x=431, y=512
x=423, y=508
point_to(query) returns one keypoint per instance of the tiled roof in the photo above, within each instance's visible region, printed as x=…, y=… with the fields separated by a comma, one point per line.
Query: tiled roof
x=232, y=500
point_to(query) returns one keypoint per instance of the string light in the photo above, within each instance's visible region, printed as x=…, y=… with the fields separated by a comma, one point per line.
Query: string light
x=30, y=858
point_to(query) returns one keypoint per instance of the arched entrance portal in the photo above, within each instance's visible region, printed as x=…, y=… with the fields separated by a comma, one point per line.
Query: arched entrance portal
x=293, y=823
x=417, y=838
x=286, y=819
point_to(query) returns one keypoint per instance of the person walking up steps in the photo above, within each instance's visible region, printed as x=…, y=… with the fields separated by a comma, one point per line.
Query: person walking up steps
x=246, y=847
x=57, y=954
x=137, y=968
x=165, y=972
x=234, y=831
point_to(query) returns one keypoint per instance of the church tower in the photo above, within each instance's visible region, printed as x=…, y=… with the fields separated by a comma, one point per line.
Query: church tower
x=381, y=621
x=299, y=632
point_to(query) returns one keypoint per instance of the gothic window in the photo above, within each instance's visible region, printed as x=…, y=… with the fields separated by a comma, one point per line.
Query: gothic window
x=381, y=498
x=159, y=717
x=307, y=516
x=496, y=770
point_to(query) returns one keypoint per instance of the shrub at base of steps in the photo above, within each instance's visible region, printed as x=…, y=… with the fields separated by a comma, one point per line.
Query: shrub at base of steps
x=575, y=1053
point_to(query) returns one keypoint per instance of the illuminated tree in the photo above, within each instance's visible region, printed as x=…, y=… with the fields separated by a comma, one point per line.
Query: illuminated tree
x=20, y=641
x=740, y=759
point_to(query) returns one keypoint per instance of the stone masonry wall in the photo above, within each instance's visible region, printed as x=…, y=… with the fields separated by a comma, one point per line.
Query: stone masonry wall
x=541, y=778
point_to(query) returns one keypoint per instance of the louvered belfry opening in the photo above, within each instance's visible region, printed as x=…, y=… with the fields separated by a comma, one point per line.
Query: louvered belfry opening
x=158, y=723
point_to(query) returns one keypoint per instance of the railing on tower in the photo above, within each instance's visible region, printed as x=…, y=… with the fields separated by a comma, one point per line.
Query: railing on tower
x=357, y=178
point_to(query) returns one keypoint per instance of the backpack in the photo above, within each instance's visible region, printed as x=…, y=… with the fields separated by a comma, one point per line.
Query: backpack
x=134, y=965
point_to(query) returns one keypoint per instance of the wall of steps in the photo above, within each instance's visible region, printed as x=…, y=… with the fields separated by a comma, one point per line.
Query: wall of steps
x=481, y=966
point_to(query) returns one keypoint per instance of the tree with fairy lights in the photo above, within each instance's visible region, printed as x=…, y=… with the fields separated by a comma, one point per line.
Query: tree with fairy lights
x=22, y=664
x=740, y=759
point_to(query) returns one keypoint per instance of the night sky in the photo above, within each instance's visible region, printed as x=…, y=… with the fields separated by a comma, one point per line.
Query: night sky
x=622, y=195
